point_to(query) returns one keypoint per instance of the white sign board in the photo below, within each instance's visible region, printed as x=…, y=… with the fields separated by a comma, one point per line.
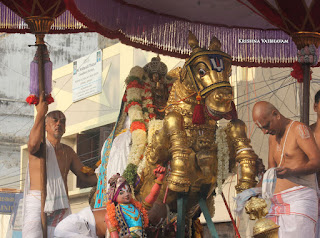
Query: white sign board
x=87, y=72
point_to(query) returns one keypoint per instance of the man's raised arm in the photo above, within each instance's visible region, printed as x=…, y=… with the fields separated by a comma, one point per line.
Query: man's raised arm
x=36, y=133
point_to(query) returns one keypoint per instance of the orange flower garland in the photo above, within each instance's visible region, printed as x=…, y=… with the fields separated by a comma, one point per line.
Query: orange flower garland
x=111, y=213
x=135, y=125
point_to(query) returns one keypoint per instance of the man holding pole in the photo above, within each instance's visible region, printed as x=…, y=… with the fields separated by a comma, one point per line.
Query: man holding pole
x=60, y=158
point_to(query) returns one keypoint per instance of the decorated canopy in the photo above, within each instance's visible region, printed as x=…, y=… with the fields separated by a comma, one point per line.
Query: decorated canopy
x=162, y=26
x=12, y=14
x=254, y=33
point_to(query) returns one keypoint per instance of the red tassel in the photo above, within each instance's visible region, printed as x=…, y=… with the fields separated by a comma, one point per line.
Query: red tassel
x=198, y=113
x=32, y=99
x=49, y=99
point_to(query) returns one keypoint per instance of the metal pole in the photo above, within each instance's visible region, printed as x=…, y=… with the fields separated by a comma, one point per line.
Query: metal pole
x=43, y=167
x=304, y=111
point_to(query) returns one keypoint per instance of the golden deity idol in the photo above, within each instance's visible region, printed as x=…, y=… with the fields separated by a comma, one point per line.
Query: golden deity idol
x=192, y=146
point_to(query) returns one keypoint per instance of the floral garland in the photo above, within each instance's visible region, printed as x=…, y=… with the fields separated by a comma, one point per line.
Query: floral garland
x=223, y=157
x=134, y=95
x=138, y=124
x=141, y=110
x=111, y=213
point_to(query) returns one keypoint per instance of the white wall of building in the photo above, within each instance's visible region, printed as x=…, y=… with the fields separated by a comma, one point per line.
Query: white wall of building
x=16, y=116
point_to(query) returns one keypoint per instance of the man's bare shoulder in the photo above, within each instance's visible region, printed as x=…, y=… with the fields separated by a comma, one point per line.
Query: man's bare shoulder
x=301, y=130
x=68, y=149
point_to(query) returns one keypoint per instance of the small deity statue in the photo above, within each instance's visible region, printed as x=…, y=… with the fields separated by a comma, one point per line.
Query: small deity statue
x=125, y=216
x=160, y=86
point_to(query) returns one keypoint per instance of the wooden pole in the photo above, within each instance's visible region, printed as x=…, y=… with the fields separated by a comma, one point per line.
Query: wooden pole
x=43, y=156
x=303, y=39
x=40, y=26
x=305, y=105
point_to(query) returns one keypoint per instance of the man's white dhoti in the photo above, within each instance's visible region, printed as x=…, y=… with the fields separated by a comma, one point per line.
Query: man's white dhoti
x=295, y=210
x=32, y=220
x=57, y=203
x=80, y=225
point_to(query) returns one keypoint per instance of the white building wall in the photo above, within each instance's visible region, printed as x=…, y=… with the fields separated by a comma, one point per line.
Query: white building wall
x=16, y=116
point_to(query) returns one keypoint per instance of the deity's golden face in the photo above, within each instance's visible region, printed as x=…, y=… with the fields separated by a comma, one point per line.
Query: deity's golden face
x=208, y=70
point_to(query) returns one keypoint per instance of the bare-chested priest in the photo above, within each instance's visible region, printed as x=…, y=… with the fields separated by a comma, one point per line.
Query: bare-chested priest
x=60, y=159
x=316, y=132
x=293, y=161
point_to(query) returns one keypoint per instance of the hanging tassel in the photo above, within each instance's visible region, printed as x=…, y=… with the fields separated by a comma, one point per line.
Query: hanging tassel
x=33, y=98
x=198, y=113
x=49, y=99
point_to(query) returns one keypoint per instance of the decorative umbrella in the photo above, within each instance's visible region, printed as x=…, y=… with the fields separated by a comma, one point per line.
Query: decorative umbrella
x=39, y=16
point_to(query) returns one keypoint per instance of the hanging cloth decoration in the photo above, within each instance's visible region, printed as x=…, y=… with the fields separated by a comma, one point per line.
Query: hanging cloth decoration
x=33, y=98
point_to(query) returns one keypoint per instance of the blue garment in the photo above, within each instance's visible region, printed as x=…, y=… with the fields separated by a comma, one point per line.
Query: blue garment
x=101, y=185
x=131, y=214
x=101, y=192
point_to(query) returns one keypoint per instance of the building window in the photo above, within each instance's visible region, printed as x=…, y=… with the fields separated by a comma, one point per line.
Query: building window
x=89, y=145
